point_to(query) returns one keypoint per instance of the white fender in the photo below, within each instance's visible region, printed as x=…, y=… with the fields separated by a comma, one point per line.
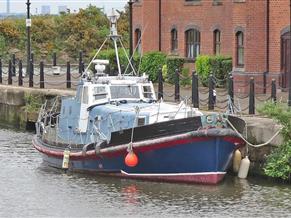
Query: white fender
x=244, y=168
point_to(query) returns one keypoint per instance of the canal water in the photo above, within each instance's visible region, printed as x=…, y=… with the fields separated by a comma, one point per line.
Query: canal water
x=28, y=188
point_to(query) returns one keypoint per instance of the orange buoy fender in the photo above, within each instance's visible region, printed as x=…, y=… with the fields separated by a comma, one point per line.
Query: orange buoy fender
x=131, y=159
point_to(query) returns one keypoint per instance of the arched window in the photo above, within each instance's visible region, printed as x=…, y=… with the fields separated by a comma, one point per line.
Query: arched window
x=174, y=40
x=217, y=43
x=192, y=43
x=240, y=49
x=137, y=39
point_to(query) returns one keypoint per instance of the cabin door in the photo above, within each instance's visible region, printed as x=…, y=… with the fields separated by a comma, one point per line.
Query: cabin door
x=285, y=60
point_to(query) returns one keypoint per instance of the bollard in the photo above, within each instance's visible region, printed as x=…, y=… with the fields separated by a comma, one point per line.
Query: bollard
x=83, y=67
x=177, y=85
x=10, y=73
x=0, y=71
x=13, y=65
x=54, y=59
x=68, y=75
x=252, y=96
x=80, y=62
x=265, y=82
x=160, y=88
x=230, y=88
x=195, y=91
x=20, y=79
x=274, y=91
x=31, y=68
x=41, y=75
x=211, y=93
x=32, y=57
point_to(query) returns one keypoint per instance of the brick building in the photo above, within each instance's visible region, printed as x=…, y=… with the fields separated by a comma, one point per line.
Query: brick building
x=254, y=32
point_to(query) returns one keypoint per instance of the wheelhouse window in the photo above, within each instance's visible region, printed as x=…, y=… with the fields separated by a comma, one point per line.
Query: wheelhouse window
x=217, y=43
x=99, y=92
x=124, y=91
x=192, y=43
x=174, y=40
x=138, y=40
x=147, y=92
x=240, y=49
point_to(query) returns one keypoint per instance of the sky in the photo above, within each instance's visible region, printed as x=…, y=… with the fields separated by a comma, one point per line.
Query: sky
x=19, y=6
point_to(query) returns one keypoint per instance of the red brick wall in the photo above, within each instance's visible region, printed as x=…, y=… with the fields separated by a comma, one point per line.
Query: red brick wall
x=250, y=16
x=279, y=19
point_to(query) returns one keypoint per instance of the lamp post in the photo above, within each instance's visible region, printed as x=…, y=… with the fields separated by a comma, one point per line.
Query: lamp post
x=289, y=83
x=28, y=25
x=130, y=3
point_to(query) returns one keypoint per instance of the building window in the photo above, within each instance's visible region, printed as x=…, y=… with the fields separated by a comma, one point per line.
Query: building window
x=240, y=49
x=174, y=40
x=217, y=43
x=192, y=43
x=137, y=37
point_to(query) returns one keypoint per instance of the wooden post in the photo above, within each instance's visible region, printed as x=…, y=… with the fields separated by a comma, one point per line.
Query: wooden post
x=0, y=71
x=195, y=91
x=13, y=65
x=80, y=62
x=210, y=95
x=274, y=91
x=20, y=79
x=41, y=75
x=31, y=73
x=252, y=96
x=177, y=85
x=10, y=73
x=54, y=59
x=68, y=75
x=160, y=88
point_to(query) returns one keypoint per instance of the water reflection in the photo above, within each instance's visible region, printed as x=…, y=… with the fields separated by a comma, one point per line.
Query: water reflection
x=29, y=188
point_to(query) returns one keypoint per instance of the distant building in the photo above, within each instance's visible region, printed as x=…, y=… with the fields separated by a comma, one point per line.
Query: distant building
x=11, y=15
x=255, y=33
x=45, y=9
x=62, y=8
x=8, y=7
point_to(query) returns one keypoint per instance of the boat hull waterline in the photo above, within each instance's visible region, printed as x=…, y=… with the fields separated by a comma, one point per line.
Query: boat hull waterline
x=184, y=158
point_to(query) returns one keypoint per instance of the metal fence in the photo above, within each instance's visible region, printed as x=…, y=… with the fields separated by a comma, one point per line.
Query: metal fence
x=211, y=98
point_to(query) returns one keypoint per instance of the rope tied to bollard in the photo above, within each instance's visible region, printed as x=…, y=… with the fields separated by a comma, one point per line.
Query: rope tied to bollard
x=249, y=143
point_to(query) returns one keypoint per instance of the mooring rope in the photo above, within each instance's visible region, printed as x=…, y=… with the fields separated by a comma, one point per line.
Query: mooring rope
x=249, y=143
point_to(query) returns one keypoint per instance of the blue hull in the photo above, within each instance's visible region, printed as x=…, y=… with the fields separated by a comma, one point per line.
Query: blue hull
x=186, y=159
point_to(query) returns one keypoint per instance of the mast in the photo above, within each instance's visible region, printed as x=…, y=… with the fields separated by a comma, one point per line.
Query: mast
x=114, y=36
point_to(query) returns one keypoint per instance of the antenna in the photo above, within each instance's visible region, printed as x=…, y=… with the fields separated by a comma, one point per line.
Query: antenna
x=114, y=36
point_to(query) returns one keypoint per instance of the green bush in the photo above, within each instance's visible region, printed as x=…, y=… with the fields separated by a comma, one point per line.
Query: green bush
x=278, y=164
x=185, y=78
x=165, y=72
x=203, y=68
x=151, y=63
x=173, y=63
x=219, y=65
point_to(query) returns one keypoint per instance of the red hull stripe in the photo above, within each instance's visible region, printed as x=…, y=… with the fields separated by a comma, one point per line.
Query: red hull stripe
x=138, y=147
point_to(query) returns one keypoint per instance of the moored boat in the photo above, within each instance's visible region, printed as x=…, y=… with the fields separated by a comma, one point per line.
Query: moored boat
x=115, y=126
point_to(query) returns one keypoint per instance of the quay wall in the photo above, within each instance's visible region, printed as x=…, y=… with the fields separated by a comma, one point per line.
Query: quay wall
x=13, y=113
x=13, y=105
